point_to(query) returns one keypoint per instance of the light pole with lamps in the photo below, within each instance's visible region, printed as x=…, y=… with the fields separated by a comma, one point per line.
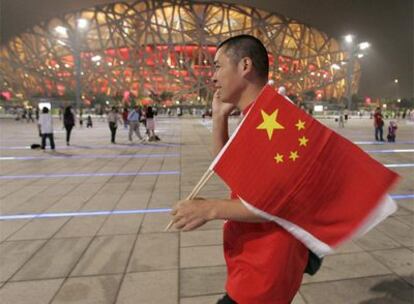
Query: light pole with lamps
x=354, y=51
x=74, y=43
x=397, y=89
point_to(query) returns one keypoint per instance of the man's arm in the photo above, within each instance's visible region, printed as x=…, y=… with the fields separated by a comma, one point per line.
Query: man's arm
x=191, y=214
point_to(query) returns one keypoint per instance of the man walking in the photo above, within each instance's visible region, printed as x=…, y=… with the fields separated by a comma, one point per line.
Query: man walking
x=46, y=128
x=133, y=120
x=265, y=263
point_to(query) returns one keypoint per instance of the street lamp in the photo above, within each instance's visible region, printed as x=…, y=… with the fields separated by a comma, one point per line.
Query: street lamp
x=74, y=43
x=354, y=50
x=397, y=89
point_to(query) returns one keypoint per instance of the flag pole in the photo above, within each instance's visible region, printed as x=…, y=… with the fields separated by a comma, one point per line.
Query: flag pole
x=204, y=179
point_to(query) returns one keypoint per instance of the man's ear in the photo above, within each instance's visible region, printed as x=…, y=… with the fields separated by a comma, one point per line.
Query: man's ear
x=246, y=65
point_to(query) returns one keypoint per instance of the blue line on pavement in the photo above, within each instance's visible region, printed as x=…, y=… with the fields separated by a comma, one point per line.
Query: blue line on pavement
x=402, y=196
x=85, y=213
x=399, y=165
x=383, y=143
x=119, y=212
x=116, y=146
x=144, y=173
x=90, y=156
x=391, y=151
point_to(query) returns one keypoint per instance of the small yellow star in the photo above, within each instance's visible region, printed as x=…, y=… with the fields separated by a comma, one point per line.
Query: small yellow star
x=269, y=123
x=300, y=125
x=279, y=158
x=293, y=155
x=303, y=141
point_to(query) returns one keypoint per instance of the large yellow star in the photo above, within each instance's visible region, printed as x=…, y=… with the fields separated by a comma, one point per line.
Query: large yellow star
x=293, y=155
x=300, y=125
x=303, y=141
x=269, y=123
x=279, y=158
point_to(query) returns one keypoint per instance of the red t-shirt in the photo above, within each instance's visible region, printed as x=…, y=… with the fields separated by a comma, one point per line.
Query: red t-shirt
x=265, y=263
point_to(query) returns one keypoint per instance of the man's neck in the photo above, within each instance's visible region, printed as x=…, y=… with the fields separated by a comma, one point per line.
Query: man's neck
x=249, y=95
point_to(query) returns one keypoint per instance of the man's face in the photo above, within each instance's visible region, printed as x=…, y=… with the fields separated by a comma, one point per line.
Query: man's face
x=227, y=78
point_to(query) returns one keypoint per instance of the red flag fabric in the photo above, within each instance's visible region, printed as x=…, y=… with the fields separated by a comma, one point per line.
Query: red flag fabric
x=288, y=167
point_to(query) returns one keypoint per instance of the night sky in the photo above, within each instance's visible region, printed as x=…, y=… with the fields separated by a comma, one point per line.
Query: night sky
x=386, y=24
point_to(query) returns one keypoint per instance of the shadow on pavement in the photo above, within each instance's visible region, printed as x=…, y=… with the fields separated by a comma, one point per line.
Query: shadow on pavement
x=395, y=291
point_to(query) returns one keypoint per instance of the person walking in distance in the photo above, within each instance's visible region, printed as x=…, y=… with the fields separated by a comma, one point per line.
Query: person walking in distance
x=133, y=120
x=151, y=124
x=125, y=114
x=46, y=128
x=113, y=120
x=378, y=125
x=68, y=122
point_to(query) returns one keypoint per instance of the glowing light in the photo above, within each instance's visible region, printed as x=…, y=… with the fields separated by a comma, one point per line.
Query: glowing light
x=335, y=66
x=96, y=58
x=349, y=38
x=364, y=45
x=82, y=23
x=61, y=30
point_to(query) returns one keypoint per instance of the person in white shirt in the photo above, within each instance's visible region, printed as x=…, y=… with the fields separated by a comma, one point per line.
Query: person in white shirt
x=113, y=119
x=133, y=120
x=46, y=128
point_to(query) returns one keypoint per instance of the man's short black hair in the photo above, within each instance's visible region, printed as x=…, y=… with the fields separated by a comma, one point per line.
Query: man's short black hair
x=241, y=46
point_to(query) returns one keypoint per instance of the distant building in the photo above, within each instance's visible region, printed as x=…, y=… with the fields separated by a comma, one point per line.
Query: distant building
x=155, y=47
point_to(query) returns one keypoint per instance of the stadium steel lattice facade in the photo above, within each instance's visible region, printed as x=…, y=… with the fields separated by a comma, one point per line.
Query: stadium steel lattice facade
x=165, y=46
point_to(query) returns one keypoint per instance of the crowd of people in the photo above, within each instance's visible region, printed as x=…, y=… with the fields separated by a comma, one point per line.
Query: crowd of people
x=132, y=119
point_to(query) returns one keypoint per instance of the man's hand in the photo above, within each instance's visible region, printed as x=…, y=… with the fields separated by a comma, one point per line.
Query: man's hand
x=191, y=214
x=219, y=107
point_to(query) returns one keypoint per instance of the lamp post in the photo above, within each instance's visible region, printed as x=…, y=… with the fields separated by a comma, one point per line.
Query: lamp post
x=74, y=43
x=355, y=50
x=397, y=89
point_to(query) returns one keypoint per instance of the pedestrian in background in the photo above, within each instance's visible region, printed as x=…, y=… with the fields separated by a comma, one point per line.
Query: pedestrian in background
x=151, y=124
x=30, y=115
x=68, y=122
x=134, y=118
x=89, y=123
x=113, y=120
x=125, y=117
x=81, y=118
x=378, y=124
x=46, y=128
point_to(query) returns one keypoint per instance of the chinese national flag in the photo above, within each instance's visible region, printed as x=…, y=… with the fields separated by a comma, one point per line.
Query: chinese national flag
x=286, y=166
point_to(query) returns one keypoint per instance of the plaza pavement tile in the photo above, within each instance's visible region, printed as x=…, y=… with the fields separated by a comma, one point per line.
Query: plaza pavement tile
x=39, y=291
x=92, y=289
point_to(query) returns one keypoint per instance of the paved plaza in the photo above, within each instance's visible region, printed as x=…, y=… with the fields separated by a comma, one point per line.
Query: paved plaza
x=84, y=224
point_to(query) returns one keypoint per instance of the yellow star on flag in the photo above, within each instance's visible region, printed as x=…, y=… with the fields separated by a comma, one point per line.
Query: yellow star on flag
x=293, y=155
x=300, y=125
x=303, y=141
x=279, y=158
x=269, y=123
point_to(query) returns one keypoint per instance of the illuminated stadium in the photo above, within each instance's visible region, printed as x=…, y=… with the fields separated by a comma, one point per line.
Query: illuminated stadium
x=164, y=50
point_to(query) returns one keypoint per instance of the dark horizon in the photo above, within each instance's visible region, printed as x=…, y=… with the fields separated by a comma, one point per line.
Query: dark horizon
x=387, y=25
